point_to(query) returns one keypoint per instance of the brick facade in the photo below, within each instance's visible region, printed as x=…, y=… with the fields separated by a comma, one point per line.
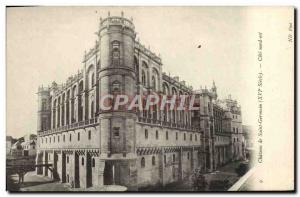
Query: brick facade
x=88, y=147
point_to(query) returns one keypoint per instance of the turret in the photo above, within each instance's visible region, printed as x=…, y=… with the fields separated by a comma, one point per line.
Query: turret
x=43, y=116
x=117, y=76
x=214, y=91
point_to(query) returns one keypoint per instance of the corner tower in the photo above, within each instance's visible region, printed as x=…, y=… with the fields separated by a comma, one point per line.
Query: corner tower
x=43, y=117
x=117, y=76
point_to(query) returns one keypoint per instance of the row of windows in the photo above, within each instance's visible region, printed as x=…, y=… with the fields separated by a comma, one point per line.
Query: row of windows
x=143, y=160
x=64, y=138
x=235, y=130
x=27, y=147
x=82, y=161
x=219, y=138
x=167, y=135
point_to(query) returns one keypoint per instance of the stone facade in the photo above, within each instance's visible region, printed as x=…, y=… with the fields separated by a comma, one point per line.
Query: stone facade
x=88, y=147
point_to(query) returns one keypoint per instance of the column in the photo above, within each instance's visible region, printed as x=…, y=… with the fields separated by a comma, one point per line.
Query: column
x=51, y=116
x=162, y=166
x=84, y=175
x=45, y=161
x=192, y=159
x=180, y=164
x=56, y=114
x=99, y=165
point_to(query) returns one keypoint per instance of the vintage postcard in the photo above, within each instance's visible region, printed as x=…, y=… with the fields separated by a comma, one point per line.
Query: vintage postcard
x=170, y=99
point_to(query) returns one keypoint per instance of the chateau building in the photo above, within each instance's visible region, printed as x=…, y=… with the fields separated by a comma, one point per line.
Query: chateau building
x=88, y=146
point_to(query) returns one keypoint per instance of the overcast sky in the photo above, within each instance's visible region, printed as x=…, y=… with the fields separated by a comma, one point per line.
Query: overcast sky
x=47, y=44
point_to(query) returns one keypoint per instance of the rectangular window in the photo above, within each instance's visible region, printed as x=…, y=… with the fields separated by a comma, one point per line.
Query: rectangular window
x=89, y=135
x=116, y=131
x=146, y=134
x=44, y=104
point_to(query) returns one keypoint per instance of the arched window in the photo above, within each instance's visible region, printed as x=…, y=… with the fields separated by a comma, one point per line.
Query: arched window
x=191, y=137
x=58, y=112
x=81, y=87
x=93, y=162
x=176, y=135
x=78, y=136
x=68, y=108
x=173, y=157
x=92, y=110
x=155, y=78
x=70, y=137
x=184, y=136
x=188, y=155
x=136, y=68
x=195, y=137
x=165, y=159
x=143, y=78
x=153, y=160
x=167, y=135
x=82, y=161
x=73, y=105
x=80, y=108
x=143, y=162
x=64, y=139
x=93, y=80
x=156, y=134
x=153, y=83
x=67, y=159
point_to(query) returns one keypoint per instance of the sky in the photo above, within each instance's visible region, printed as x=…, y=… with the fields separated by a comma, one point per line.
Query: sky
x=46, y=44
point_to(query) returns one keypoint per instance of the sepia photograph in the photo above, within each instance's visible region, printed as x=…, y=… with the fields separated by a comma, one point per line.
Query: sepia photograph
x=150, y=98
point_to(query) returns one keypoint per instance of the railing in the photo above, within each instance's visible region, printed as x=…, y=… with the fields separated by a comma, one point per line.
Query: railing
x=166, y=124
x=117, y=20
x=71, y=126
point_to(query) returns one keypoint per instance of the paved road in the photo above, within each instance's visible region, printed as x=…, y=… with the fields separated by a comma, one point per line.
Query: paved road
x=33, y=182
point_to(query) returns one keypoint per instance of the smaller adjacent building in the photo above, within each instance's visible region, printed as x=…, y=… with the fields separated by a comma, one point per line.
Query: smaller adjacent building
x=24, y=146
x=16, y=149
